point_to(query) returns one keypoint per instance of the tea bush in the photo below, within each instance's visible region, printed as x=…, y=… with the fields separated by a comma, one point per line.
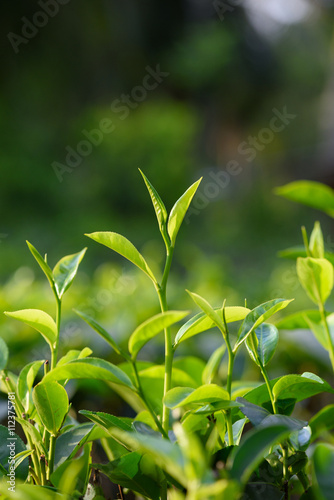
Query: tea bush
x=194, y=436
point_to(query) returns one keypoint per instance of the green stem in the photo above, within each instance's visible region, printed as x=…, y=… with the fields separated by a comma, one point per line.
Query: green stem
x=54, y=350
x=147, y=404
x=228, y=413
x=33, y=475
x=161, y=290
x=266, y=379
x=43, y=470
x=329, y=338
x=51, y=455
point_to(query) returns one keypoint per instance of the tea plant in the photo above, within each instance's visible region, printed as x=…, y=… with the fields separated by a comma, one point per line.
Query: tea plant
x=188, y=438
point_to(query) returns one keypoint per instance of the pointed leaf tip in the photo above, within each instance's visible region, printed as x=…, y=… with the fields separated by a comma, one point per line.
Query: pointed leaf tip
x=179, y=210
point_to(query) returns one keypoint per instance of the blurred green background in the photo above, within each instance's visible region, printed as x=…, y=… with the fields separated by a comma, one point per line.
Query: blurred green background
x=189, y=88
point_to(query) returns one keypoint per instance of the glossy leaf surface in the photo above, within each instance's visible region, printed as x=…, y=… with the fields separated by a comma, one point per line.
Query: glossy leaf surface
x=94, y=368
x=25, y=382
x=42, y=264
x=39, y=320
x=253, y=448
x=179, y=210
x=267, y=340
x=151, y=327
x=182, y=396
x=258, y=316
x=300, y=387
x=51, y=401
x=124, y=247
x=159, y=207
x=316, y=277
x=201, y=322
x=65, y=270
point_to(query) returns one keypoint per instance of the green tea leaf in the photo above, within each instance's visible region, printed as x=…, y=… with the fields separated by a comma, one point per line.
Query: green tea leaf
x=201, y=322
x=293, y=424
x=182, y=396
x=65, y=271
x=159, y=207
x=301, y=439
x=39, y=320
x=258, y=316
x=300, y=386
x=51, y=403
x=322, y=422
x=69, y=442
x=165, y=454
x=106, y=421
x=127, y=472
x=72, y=475
x=3, y=354
x=26, y=381
x=42, y=264
x=254, y=413
x=323, y=463
x=101, y=331
x=151, y=327
x=212, y=365
x=31, y=430
x=299, y=320
x=319, y=332
x=209, y=311
x=316, y=277
x=124, y=247
x=191, y=365
x=253, y=448
x=93, y=368
x=313, y=194
x=317, y=247
x=73, y=354
x=179, y=210
x=8, y=446
x=267, y=340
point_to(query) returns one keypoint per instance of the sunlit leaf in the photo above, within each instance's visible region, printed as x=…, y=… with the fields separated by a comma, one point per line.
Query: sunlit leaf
x=39, y=320
x=151, y=327
x=159, y=207
x=300, y=386
x=124, y=247
x=182, y=396
x=65, y=270
x=201, y=322
x=179, y=210
x=258, y=316
x=92, y=368
x=317, y=278
x=317, y=247
x=25, y=382
x=51, y=401
x=42, y=263
x=313, y=194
